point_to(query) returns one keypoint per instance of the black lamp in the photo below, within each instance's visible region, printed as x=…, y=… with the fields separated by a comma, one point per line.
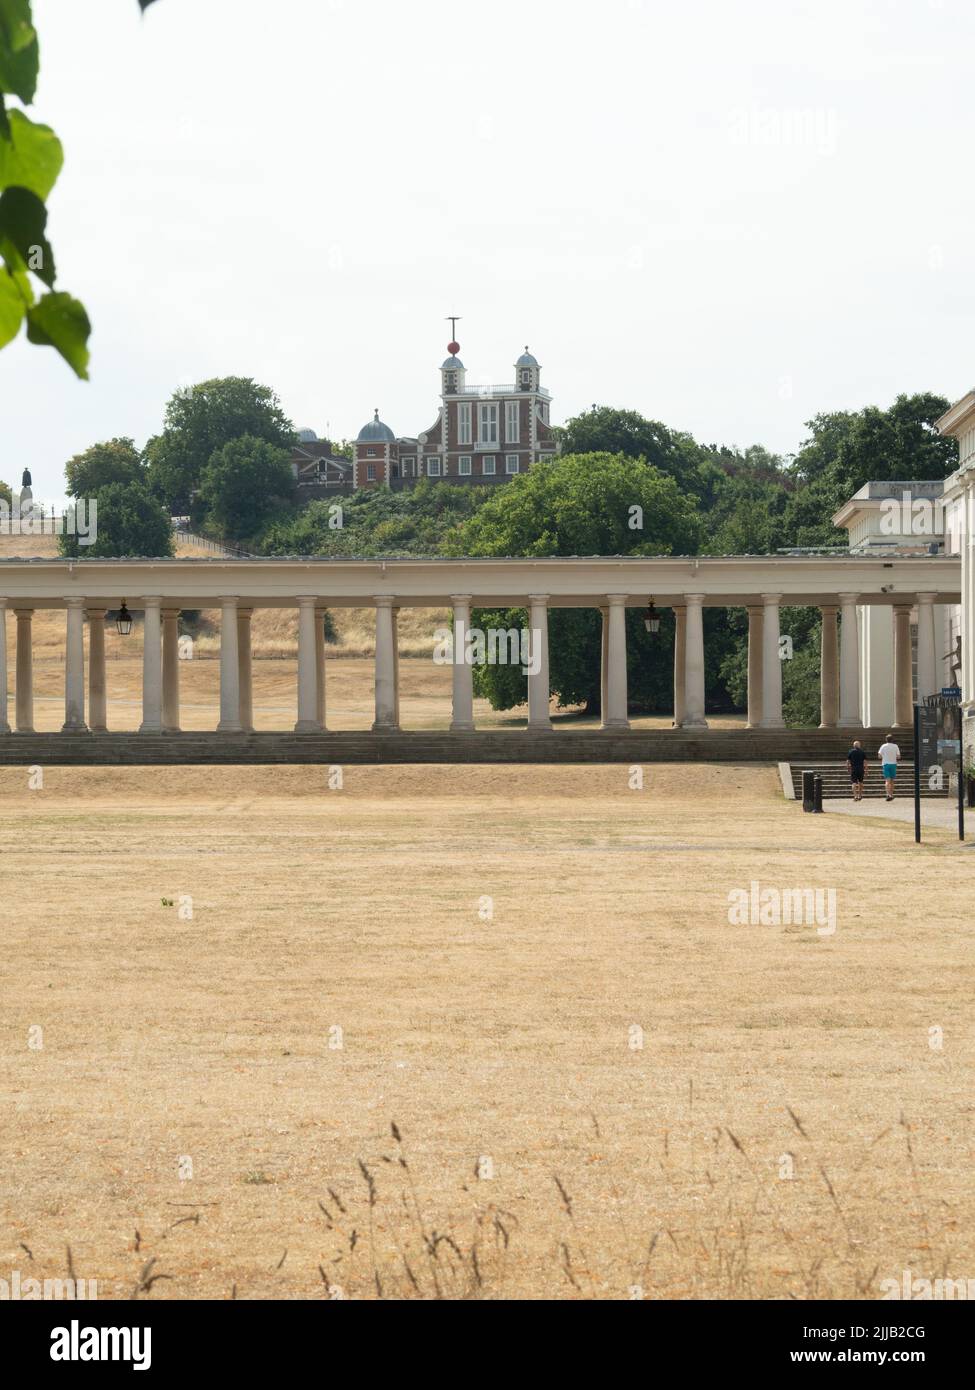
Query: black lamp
x=124, y=621
x=652, y=621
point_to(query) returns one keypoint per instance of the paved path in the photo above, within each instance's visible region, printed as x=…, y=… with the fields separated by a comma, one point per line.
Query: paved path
x=940, y=814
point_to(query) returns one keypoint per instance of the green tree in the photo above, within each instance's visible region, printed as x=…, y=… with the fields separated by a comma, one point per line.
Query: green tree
x=800, y=671
x=592, y=504
x=848, y=449
x=243, y=484
x=130, y=522
x=30, y=161
x=583, y=504
x=200, y=420
x=111, y=461
x=375, y=521
x=606, y=429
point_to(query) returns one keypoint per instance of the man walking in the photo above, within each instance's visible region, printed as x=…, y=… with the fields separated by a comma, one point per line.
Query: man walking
x=856, y=765
x=889, y=755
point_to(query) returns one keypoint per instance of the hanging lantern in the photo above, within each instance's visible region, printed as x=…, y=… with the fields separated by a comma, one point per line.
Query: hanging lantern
x=123, y=621
x=652, y=621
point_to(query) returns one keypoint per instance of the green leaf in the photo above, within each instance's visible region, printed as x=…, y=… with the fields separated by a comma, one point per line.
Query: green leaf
x=12, y=308
x=4, y=123
x=23, y=218
x=60, y=322
x=32, y=158
x=18, y=50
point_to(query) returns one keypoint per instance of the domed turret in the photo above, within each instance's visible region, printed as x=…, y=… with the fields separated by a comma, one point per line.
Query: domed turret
x=376, y=430
x=452, y=373
x=527, y=372
x=307, y=436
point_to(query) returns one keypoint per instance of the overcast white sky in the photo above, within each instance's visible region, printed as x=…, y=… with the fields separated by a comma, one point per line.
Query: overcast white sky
x=728, y=216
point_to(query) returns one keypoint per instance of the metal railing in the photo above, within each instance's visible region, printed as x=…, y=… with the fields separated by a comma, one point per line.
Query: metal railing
x=215, y=547
x=507, y=388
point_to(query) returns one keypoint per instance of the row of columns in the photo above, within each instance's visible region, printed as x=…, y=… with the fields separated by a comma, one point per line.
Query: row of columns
x=839, y=688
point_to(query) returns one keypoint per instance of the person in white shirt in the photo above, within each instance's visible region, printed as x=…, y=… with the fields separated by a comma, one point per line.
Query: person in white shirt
x=889, y=755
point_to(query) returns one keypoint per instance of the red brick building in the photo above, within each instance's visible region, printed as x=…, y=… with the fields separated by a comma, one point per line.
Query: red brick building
x=482, y=434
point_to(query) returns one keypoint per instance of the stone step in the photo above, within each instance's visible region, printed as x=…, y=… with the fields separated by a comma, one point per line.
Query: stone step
x=836, y=780
x=798, y=747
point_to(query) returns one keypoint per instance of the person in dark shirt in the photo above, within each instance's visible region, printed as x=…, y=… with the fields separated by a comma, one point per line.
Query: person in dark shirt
x=856, y=762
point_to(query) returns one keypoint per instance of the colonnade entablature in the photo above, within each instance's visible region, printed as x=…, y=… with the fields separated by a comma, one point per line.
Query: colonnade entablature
x=160, y=589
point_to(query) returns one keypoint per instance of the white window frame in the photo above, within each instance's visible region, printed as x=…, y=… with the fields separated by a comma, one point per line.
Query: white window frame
x=487, y=424
x=464, y=466
x=464, y=423
x=370, y=472
x=510, y=459
x=488, y=464
x=512, y=422
x=433, y=466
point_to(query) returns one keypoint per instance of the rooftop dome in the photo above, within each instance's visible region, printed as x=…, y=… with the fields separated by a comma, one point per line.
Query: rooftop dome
x=526, y=359
x=306, y=435
x=376, y=430
x=452, y=363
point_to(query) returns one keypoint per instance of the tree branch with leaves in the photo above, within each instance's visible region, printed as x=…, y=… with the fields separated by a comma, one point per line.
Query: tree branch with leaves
x=30, y=161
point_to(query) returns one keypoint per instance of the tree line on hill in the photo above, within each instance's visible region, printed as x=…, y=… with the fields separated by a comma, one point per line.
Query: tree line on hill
x=622, y=485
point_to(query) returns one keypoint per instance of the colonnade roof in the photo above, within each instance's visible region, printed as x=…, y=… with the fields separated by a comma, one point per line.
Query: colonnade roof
x=413, y=581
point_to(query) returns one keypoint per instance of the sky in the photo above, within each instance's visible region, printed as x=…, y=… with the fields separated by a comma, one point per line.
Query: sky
x=728, y=216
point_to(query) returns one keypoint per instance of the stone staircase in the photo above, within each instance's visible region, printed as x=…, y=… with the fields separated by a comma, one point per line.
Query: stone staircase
x=836, y=780
x=798, y=747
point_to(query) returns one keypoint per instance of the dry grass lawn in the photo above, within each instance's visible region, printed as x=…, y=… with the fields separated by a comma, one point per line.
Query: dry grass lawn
x=190, y=1103
x=485, y=944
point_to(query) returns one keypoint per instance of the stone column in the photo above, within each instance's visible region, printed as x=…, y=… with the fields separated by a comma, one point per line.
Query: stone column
x=170, y=670
x=604, y=666
x=97, y=685
x=244, y=678
x=829, y=687
x=24, y=698
x=615, y=715
x=927, y=650
x=903, y=684
x=539, y=721
x=74, y=668
x=386, y=693
x=694, y=717
x=771, y=664
x=320, y=666
x=462, y=718
x=4, y=718
x=756, y=616
x=396, y=660
x=967, y=616
x=229, y=667
x=680, y=661
x=307, y=677
x=151, y=668
x=849, y=663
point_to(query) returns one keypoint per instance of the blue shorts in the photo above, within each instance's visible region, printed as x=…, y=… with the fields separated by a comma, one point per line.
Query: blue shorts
x=890, y=770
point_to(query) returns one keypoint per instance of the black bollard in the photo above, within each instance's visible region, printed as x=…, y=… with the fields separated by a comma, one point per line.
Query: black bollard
x=807, y=790
x=818, y=794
